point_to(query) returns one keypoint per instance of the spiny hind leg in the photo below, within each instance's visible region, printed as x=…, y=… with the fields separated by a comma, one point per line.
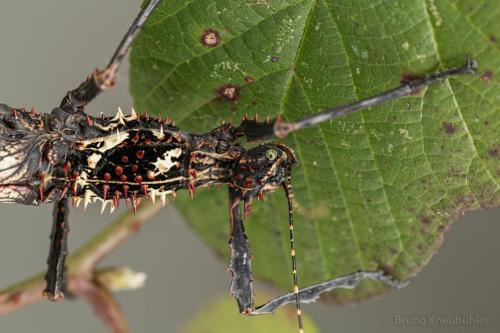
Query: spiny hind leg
x=241, y=257
x=55, y=276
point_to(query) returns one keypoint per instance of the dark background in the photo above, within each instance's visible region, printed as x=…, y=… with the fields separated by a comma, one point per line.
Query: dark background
x=48, y=47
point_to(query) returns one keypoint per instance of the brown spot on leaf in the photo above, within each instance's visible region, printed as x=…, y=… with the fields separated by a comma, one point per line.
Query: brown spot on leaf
x=388, y=270
x=249, y=79
x=449, y=128
x=493, y=38
x=425, y=220
x=229, y=92
x=394, y=250
x=494, y=152
x=487, y=76
x=408, y=78
x=210, y=38
x=275, y=59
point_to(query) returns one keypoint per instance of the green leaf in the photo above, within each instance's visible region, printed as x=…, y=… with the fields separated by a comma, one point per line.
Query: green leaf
x=219, y=315
x=374, y=190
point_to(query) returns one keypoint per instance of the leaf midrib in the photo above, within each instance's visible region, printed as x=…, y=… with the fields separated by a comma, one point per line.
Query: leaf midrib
x=380, y=178
x=282, y=109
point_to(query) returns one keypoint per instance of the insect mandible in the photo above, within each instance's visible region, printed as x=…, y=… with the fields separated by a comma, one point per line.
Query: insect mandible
x=68, y=155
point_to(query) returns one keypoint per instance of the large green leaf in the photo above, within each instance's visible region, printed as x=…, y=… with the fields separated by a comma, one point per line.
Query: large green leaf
x=376, y=189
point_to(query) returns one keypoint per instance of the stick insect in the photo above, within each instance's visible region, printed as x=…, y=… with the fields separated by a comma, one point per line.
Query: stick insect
x=68, y=156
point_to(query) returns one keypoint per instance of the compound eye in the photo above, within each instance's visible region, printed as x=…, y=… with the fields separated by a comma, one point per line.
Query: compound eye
x=271, y=154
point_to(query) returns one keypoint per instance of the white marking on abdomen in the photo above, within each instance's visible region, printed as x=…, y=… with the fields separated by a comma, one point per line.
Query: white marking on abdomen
x=109, y=141
x=93, y=159
x=163, y=165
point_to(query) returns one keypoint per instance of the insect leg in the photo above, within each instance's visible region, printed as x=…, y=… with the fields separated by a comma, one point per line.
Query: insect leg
x=55, y=276
x=241, y=286
x=100, y=80
x=240, y=262
x=255, y=131
x=312, y=293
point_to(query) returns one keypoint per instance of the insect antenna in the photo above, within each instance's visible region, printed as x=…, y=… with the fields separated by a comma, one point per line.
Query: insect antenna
x=287, y=185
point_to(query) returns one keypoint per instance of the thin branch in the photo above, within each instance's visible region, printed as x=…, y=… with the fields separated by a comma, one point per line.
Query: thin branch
x=88, y=256
x=24, y=293
x=83, y=279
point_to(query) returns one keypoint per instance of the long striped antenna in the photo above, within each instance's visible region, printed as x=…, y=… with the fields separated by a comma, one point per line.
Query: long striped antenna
x=287, y=185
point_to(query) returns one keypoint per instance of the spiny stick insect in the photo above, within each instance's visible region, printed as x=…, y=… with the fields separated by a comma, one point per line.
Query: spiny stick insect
x=68, y=155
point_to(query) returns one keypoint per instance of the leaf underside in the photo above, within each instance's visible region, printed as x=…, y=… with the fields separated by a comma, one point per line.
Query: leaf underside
x=374, y=190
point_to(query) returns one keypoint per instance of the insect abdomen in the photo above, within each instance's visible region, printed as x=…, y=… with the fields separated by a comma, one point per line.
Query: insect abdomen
x=131, y=164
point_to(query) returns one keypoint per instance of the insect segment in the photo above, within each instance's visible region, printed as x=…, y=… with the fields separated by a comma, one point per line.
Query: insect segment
x=132, y=158
x=68, y=154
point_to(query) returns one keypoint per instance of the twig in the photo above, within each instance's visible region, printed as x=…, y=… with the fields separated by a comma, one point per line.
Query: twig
x=86, y=258
x=83, y=279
